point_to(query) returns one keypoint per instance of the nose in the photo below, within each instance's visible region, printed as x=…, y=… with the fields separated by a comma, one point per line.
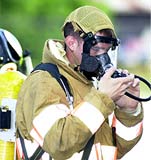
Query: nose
x=97, y=50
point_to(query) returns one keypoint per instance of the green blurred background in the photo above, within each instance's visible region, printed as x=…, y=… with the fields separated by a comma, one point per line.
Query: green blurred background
x=34, y=21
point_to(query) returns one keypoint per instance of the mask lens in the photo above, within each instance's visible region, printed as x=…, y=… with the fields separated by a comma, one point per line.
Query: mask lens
x=113, y=56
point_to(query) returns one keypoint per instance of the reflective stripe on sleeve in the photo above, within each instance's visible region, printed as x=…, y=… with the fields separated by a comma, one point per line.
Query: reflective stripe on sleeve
x=127, y=133
x=45, y=119
x=89, y=115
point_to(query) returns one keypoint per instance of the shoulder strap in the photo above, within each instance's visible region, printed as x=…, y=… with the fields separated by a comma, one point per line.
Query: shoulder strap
x=23, y=146
x=53, y=70
x=49, y=67
x=88, y=148
x=36, y=155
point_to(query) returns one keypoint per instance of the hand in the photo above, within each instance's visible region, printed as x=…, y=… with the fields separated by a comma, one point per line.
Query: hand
x=128, y=104
x=115, y=88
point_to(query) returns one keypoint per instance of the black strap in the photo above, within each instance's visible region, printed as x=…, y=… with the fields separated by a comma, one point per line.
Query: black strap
x=49, y=67
x=114, y=136
x=37, y=154
x=23, y=145
x=87, y=149
x=53, y=70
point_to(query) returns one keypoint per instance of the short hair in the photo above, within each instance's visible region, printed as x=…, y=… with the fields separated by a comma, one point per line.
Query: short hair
x=108, y=32
x=69, y=30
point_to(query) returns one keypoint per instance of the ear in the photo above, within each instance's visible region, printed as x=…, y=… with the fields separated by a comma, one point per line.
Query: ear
x=71, y=42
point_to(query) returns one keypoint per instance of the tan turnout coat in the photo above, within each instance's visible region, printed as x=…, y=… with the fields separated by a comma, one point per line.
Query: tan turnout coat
x=42, y=110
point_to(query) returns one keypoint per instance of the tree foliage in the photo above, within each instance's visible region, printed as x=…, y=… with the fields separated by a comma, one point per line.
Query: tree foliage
x=34, y=21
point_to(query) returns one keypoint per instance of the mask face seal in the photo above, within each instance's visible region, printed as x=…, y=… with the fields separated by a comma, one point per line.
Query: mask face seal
x=90, y=66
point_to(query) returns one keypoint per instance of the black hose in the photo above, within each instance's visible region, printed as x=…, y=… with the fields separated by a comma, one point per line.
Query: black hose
x=138, y=98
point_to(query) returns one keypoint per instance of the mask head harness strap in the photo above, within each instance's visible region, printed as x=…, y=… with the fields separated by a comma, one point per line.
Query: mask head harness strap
x=91, y=40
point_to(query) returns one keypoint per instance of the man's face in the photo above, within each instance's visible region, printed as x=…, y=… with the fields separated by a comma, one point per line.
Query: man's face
x=100, y=48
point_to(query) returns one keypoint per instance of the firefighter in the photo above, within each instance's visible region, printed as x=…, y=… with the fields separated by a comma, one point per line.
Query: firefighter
x=10, y=82
x=100, y=118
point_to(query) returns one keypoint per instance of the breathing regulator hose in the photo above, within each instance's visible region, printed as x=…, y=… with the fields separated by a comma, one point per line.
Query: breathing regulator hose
x=138, y=98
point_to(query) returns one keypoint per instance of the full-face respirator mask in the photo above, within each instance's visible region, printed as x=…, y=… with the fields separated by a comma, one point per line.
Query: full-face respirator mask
x=96, y=66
